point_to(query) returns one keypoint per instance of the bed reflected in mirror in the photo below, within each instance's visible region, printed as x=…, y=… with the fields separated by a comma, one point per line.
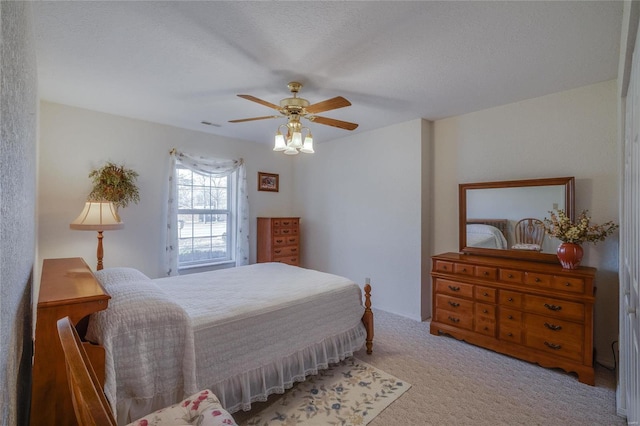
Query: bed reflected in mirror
x=505, y=218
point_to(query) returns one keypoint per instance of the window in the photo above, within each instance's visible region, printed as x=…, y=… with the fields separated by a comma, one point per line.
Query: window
x=205, y=218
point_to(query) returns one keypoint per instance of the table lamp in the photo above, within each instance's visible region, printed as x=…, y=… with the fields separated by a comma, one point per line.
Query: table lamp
x=98, y=216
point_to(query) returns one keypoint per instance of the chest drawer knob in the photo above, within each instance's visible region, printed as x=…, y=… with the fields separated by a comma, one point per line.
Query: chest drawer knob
x=510, y=334
x=464, y=269
x=454, y=288
x=567, y=284
x=485, y=294
x=454, y=304
x=552, y=307
x=485, y=273
x=486, y=328
x=484, y=311
x=553, y=326
x=553, y=346
x=537, y=280
x=510, y=299
x=454, y=320
x=510, y=317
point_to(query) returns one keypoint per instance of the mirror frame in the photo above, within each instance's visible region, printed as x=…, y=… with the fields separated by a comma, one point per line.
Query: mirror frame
x=569, y=187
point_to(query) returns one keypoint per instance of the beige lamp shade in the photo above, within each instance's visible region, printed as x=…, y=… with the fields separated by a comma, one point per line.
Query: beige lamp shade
x=97, y=216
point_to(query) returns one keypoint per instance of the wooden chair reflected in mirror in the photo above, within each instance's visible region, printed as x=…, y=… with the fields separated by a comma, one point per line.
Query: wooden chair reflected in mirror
x=529, y=234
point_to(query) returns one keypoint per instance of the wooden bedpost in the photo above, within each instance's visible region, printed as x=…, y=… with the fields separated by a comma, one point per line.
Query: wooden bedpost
x=367, y=318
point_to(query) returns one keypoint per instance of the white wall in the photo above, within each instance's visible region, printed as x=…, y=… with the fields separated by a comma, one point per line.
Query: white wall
x=74, y=141
x=572, y=133
x=360, y=199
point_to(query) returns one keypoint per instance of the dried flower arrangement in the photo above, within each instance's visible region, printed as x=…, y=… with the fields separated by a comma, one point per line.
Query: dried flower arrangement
x=561, y=227
x=114, y=183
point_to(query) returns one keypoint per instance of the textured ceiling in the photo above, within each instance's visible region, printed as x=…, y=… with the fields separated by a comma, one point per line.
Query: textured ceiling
x=179, y=62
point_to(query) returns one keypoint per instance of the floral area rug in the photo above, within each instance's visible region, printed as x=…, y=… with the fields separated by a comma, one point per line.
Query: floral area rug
x=349, y=393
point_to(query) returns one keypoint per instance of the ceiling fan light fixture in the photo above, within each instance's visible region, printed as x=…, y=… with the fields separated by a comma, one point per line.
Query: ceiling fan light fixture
x=280, y=144
x=307, y=148
x=296, y=140
x=291, y=151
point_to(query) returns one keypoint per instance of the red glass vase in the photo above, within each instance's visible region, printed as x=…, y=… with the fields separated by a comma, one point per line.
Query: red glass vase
x=570, y=255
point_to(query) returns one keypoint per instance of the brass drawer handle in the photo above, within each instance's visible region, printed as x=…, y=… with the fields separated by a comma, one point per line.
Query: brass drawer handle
x=552, y=307
x=452, y=288
x=553, y=346
x=553, y=326
x=455, y=320
x=285, y=231
x=293, y=250
x=291, y=240
x=279, y=241
x=454, y=304
x=277, y=251
x=286, y=223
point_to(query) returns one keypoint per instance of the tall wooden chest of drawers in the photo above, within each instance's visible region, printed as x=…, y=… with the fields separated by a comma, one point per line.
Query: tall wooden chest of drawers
x=535, y=311
x=279, y=240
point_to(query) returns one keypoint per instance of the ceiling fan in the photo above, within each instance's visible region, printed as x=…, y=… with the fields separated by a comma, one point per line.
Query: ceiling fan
x=295, y=108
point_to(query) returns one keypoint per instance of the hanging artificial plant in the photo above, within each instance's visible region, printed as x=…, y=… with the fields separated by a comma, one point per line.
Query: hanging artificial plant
x=114, y=183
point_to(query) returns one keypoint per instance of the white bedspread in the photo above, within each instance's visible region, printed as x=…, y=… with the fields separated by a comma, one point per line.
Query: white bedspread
x=255, y=329
x=485, y=236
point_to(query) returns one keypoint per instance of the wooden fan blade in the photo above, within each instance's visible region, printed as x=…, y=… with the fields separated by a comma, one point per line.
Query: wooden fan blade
x=242, y=120
x=333, y=122
x=329, y=104
x=260, y=101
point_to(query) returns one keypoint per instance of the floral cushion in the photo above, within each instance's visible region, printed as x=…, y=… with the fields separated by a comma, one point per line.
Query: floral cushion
x=202, y=408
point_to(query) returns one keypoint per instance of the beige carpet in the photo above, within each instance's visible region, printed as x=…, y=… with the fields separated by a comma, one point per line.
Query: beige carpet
x=454, y=383
x=350, y=393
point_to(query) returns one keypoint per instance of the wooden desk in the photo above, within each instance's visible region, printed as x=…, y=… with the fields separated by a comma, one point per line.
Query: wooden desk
x=67, y=288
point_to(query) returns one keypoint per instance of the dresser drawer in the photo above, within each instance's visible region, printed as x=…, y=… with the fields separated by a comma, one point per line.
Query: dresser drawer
x=510, y=317
x=486, y=294
x=511, y=276
x=453, y=304
x=289, y=260
x=559, y=347
x=285, y=251
x=554, y=307
x=442, y=266
x=486, y=326
x=553, y=328
x=486, y=272
x=285, y=231
x=510, y=334
x=288, y=223
x=452, y=318
x=454, y=288
x=485, y=311
x=573, y=285
x=510, y=298
x=464, y=269
x=539, y=280
x=284, y=240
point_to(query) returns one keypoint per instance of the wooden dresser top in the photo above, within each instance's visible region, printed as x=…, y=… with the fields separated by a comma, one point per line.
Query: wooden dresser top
x=67, y=281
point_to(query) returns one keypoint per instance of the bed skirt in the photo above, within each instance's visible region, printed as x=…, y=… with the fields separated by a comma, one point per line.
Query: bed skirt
x=238, y=392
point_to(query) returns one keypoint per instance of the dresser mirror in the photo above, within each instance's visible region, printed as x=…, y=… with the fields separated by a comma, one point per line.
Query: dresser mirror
x=502, y=218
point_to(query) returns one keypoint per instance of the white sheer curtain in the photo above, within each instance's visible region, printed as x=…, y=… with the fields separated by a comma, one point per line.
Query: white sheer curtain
x=209, y=166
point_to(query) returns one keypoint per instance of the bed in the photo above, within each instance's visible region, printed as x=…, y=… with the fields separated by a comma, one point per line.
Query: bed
x=487, y=233
x=244, y=333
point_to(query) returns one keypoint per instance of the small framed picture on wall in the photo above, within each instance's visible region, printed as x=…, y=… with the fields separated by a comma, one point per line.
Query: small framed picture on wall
x=267, y=182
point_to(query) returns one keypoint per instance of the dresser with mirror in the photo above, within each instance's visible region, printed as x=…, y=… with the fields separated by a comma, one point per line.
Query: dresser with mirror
x=505, y=289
